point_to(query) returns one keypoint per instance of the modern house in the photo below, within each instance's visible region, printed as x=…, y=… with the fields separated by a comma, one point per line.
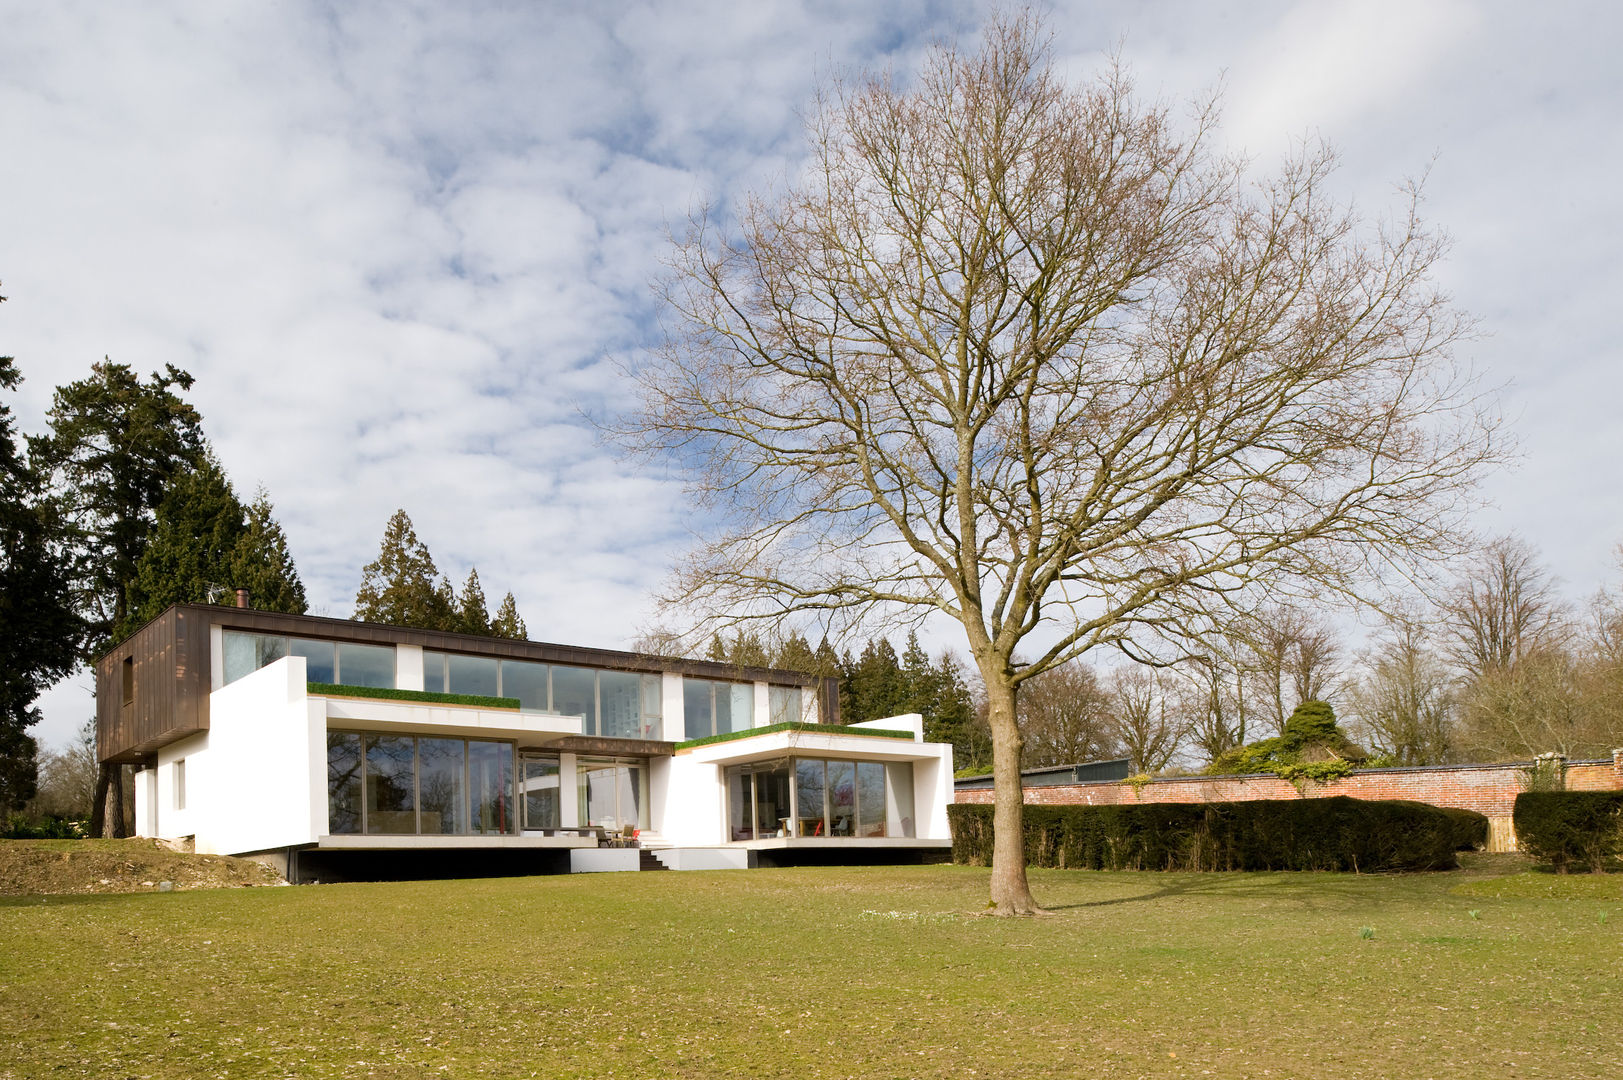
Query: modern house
x=320, y=740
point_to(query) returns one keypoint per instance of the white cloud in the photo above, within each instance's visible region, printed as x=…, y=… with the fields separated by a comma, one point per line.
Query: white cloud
x=396, y=243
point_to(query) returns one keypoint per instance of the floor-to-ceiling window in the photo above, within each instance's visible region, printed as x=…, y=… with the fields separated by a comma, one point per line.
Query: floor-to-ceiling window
x=612, y=794
x=611, y=704
x=342, y=663
x=406, y=785
x=819, y=797
x=538, y=790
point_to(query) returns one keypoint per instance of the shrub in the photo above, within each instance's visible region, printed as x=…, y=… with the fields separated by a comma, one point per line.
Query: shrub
x=1469, y=828
x=1570, y=828
x=48, y=827
x=1336, y=833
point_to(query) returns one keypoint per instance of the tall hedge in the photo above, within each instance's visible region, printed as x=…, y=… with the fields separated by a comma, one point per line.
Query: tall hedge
x=1336, y=833
x=1570, y=829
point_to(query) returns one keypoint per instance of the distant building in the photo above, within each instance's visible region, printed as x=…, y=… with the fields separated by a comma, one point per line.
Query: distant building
x=1054, y=775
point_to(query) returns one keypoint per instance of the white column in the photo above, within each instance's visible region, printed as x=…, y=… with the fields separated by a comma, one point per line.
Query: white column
x=408, y=667
x=568, y=801
x=670, y=707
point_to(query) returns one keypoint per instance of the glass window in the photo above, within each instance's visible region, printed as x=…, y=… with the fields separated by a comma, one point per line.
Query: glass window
x=440, y=771
x=365, y=665
x=842, y=798
x=433, y=672
x=870, y=798
x=621, y=697
x=698, y=713
x=612, y=795
x=391, y=795
x=470, y=675
x=527, y=682
x=740, y=805
x=653, y=708
x=811, y=819
x=540, y=794
x=343, y=782
x=247, y=653
x=784, y=704
x=574, y=693
x=772, y=802
x=899, y=799
x=318, y=660
x=180, y=784
x=490, y=780
x=742, y=706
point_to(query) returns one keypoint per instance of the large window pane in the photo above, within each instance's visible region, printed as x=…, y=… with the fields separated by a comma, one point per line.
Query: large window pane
x=741, y=710
x=653, y=710
x=574, y=693
x=809, y=799
x=899, y=799
x=772, y=803
x=525, y=681
x=698, y=714
x=632, y=800
x=366, y=665
x=247, y=653
x=442, y=793
x=870, y=798
x=842, y=798
x=318, y=659
x=434, y=672
x=391, y=803
x=343, y=782
x=784, y=704
x=595, y=786
x=740, y=804
x=490, y=783
x=620, y=695
x=540, y=793
x=471, y=675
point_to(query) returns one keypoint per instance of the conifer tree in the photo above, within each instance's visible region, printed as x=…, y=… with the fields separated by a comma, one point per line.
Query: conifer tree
x=262, y=563
x=38, y=626
x=507, y=623
x=398, y=588
x=472, y=615
x=115, y=445
x=194, y=539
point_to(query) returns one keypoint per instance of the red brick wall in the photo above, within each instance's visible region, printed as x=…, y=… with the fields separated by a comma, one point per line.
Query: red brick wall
x=1488, y=789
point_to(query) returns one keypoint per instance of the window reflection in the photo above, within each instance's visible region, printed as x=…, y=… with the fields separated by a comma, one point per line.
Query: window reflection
x=401, y=784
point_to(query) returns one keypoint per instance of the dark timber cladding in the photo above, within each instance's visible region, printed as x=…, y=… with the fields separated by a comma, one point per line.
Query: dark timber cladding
x=170, y=656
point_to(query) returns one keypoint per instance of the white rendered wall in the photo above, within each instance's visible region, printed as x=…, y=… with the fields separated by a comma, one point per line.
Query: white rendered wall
x=913, y=722
x=258, y=782
x=173, y=822
x=932, y=791
x=146, y=802
x=694, y=804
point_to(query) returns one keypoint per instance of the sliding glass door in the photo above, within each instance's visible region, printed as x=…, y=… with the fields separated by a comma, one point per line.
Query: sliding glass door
x=613, y=794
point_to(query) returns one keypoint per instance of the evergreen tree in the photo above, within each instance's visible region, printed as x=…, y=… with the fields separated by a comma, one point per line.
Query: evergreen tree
x=115, y=446
x=795, y=653
x=877, y=687
x=188, y=557
x=472, y=615
x=398, y=588
x=507, y=623
x=39, y=629
x=262, y=563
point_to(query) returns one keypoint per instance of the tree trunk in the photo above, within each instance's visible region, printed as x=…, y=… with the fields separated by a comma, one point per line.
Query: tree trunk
x=98, y=807
x=1010, y=893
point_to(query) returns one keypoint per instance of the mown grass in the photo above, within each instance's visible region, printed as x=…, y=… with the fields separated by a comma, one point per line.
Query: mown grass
x=874, y=972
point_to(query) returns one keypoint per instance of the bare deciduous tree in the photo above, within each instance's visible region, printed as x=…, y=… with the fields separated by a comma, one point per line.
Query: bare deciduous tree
x=1150, y=732
x=1403, y=705
x=1035, y=356
x=1504, y=608
x=1065, y=715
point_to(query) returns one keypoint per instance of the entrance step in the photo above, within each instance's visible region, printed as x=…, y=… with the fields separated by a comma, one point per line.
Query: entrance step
x=647, y=860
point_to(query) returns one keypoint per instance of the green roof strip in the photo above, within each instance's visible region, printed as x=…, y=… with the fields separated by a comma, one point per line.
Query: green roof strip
x=389, y=693
x=817, y=729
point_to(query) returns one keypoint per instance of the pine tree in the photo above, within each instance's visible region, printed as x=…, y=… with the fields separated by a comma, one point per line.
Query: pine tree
x=198, y=529
x=796, y=654
x=398, y=588
x=507, y=623
x=116, y=444
x=877, y=686
x=262, y=563
x=472, y=615
x=39, y=629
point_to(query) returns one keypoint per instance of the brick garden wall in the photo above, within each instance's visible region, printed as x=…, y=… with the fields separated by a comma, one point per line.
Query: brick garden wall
x=1490, y=790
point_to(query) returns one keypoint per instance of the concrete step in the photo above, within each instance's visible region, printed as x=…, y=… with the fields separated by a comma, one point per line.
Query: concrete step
x=647, y=860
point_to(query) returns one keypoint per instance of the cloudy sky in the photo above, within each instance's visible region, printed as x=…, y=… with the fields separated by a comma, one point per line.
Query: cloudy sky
x=400, y=246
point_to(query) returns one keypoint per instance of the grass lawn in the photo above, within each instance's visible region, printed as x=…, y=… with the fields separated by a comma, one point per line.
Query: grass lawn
x=1491, y=972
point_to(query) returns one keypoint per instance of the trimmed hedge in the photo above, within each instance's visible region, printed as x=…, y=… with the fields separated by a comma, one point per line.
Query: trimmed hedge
x=1570, y=828
x=1337, y=833
x=387, y=693
x=1470, y=828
